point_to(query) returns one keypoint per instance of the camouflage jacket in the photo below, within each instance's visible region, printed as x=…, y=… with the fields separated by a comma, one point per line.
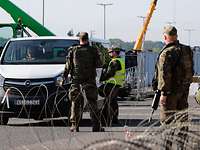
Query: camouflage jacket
x=174, y=68
x=81, y=63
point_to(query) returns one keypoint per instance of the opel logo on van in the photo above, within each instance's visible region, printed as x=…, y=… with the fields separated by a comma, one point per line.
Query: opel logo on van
x=27, y=83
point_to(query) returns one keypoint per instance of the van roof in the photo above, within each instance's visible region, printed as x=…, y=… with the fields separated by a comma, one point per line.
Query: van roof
x=44, y=38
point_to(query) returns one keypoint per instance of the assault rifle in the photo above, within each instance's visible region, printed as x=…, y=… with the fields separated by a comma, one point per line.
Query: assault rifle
x=155, y=103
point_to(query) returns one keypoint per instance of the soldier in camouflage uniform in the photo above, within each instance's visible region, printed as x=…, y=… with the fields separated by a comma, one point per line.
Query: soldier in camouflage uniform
x=81, y=64
x=174, y=71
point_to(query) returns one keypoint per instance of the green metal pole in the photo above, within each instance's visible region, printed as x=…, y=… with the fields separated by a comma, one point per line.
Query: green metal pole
x=27, y=20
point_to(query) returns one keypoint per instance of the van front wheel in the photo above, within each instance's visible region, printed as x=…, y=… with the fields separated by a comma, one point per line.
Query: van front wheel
x=3, y=120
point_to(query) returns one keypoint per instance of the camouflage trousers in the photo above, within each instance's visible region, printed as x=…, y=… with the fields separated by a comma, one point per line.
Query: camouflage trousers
x=175, y=113
x=110, y=110
x=78, y=93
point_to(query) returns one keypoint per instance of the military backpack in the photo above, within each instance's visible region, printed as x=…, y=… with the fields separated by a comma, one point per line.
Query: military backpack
x=182, y=55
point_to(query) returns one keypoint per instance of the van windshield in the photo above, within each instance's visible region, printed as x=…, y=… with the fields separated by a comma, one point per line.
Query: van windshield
x=51, y=51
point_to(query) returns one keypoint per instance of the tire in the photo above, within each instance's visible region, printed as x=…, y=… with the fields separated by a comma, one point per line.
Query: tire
x=124, y=91
x=3, y=120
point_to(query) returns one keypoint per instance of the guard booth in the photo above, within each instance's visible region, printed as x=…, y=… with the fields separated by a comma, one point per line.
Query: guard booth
x=130, y=59
x=130, y=66
x=139, y=72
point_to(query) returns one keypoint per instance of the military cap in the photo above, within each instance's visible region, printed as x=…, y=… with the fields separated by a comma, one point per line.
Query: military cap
x=83, y=35
x=117, y=49
x=170, y=30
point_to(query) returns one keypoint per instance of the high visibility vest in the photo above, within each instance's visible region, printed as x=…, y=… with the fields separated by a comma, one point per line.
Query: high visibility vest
x=119, y=77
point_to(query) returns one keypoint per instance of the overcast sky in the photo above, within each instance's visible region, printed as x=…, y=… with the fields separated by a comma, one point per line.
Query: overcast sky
x=122, y=19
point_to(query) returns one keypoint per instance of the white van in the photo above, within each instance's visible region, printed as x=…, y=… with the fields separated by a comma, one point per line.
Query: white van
x=30, y=71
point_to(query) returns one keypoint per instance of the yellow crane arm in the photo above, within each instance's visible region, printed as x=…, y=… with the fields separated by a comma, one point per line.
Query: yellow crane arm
x=139, y=41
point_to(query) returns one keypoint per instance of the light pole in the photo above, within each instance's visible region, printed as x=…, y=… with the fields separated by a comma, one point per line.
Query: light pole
x=171, y=23
x=104, y=8
x=43, y=12
x=174, y=13
x=143, y=20
x=140, y=82
x=189, y=34
x=142, y=17
x=92, y=32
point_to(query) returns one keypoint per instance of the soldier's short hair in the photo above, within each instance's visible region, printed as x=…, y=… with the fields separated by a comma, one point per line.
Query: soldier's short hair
x=83, y=36
x=170, y=30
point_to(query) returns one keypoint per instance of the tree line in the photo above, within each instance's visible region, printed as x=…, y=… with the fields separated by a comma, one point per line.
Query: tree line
x=148, y=45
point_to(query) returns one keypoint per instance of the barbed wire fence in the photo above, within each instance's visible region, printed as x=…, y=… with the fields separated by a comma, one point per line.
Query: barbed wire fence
x=156, y=138
x=50, y=138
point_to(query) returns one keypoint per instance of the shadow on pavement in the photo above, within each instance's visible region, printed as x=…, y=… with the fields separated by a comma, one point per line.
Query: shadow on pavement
x=87, y=123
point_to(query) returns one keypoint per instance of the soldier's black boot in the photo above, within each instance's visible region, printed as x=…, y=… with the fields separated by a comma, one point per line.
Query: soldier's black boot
x=96, y=124
x=114, y=111
x=74, y=128
x=115, y=120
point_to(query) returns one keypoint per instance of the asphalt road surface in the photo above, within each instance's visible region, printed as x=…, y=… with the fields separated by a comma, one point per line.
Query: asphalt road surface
x=54, y=134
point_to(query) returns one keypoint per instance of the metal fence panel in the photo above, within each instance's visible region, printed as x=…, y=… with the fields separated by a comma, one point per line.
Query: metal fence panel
x=196, y=58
